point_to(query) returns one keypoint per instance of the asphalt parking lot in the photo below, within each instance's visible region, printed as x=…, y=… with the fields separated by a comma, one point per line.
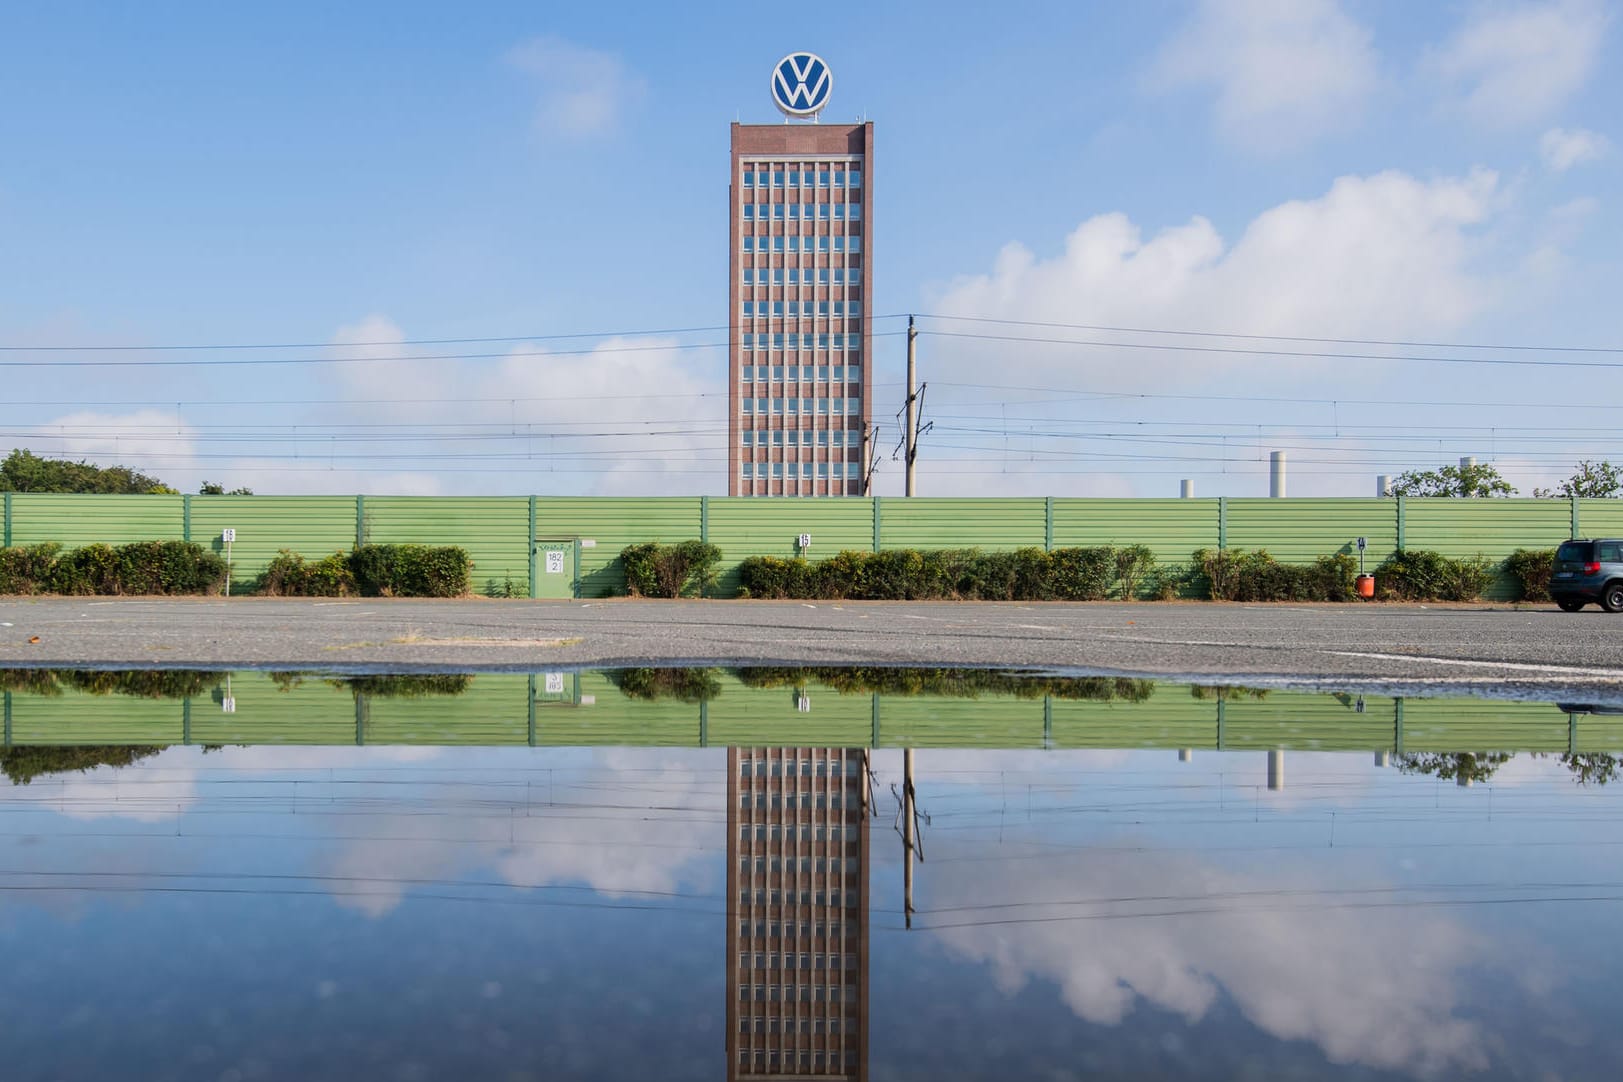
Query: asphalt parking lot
x=1477, y=649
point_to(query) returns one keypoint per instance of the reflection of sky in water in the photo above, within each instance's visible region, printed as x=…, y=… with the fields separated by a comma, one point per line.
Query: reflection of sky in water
x=411, y=913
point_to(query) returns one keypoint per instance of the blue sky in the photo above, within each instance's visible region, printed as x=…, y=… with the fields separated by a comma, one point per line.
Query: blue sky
x=191, y=174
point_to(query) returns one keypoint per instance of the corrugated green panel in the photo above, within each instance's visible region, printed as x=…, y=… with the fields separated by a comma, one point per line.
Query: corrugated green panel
x=1170, y=718
x=1172, y=529
x=1596, y=518
x=1599, y=732
x=1298, y=531
x=993, y=721
x=770, y=526
x=79, y=718
x=606, y=716
x=494, y=529
x=312, y=526
x=747, y=717
x=76, y=520
x=1495, y=528
x=494, y=710
x=614, y=523
x=1307, y=722
x=1482, y=725
x=937, y=523
x=313, y=712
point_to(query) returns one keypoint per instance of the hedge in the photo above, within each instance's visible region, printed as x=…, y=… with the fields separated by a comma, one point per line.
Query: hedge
x=655, y=570
x=371, y=571
x=143, y=567
x=1027, y=574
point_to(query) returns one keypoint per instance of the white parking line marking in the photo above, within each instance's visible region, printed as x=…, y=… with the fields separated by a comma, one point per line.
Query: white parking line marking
x=1565, y=670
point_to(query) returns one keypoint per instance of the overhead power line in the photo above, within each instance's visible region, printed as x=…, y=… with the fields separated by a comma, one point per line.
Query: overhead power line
x=222, y=346
x=1277, y=337
x=1168, y=347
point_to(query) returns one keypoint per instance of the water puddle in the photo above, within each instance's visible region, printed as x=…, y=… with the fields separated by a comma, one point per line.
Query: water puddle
x=862, y=873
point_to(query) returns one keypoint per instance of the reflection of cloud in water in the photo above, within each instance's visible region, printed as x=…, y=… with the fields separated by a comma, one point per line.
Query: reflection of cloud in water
x=1374, y=987
x=620, y=825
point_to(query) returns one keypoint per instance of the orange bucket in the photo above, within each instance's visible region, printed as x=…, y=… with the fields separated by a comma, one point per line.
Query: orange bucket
x=1366, y=585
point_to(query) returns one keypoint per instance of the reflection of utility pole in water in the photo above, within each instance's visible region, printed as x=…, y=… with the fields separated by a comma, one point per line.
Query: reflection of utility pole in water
x=912, y=836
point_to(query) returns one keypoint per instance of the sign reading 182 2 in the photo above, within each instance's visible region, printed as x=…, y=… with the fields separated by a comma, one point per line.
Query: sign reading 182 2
x=800, y=84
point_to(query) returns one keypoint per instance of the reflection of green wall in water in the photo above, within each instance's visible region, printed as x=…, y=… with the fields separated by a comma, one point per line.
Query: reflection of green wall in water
x=497, y=709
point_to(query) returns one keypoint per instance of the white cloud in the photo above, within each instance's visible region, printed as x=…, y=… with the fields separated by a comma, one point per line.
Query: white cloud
x=1284, y=71
x=1387, y=254
x=1508, y=65
x=1362, y=987
x=1563, y=148
x=598, y=835
x=638, y=415
x=150, y=441
x=583, y=91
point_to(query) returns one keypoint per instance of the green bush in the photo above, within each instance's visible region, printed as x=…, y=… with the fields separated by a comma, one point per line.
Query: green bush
x=1133, y=564
x=1241, y=575
x=1082, y=574
x=1423, y=575
x=290, y=576
x=1531, y=569
x=776, y=579
x=411, y=570
x=27, y=569
x=143, y=567
x=371, y=571
x=656, y=570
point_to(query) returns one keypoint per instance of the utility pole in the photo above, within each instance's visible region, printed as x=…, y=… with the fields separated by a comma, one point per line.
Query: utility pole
x=911, y=437
x=870, y=457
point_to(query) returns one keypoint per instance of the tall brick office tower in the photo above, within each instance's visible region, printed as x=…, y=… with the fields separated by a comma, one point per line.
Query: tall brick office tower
x=800, y=212
x=797, y=913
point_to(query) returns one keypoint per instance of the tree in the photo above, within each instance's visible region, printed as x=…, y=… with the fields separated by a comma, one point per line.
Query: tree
x=1474, y=481
x=23, y=471
x=1469, y=766
x=1600, y=480
x=210, y=488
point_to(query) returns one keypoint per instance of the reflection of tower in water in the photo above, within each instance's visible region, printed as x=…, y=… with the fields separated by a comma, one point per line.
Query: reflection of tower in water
x=797, y=913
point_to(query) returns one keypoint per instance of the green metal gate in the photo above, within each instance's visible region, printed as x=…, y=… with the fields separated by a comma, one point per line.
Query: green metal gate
x=555, y=563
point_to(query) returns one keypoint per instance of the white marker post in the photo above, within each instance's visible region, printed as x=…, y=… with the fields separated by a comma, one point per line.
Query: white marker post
x=228, y=536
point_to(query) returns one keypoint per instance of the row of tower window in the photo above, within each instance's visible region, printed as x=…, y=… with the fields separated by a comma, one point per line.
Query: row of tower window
x=780, y=800
x=802, y=993
x=802, y=178
x=764, y=1024
x=801, y=340
x=795, y=276
x=805, y=897
x=797, y=309
x=803, y=212
x=822, y=243
x=802, y=407
x=815, y=1065
x=839, y=437
x=805, y=865
x=814, y=962
x=804, y=373
x=806, y=928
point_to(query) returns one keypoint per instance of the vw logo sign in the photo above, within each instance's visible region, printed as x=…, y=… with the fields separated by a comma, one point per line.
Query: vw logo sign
x=800, y=84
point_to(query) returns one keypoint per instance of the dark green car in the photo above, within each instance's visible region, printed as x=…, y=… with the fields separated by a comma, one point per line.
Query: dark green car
x=1588, y=572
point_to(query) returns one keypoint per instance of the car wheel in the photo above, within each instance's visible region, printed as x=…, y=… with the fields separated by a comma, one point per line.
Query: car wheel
x=1611, y=598
x=1570, y=606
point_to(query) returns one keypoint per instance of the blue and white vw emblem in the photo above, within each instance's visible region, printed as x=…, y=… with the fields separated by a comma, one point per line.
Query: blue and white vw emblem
x=801, y=83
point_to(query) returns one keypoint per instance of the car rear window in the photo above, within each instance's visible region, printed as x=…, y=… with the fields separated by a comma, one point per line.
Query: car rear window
x=1610, y=552
x=1575, y=550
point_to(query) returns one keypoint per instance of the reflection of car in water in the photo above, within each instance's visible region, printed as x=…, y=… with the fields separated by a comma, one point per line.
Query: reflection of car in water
x=1590, y=708
x=1587, y=572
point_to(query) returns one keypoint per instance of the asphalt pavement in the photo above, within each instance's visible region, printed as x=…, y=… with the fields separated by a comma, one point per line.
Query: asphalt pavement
x=1475, y=649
